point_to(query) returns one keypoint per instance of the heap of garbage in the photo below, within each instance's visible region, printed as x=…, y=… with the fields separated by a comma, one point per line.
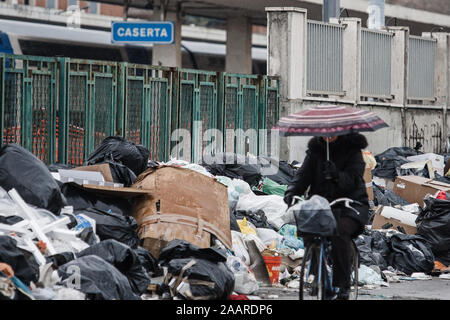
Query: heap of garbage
x=125, y=227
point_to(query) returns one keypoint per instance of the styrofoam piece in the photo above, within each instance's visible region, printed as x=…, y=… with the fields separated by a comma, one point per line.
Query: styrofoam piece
x=79, y=174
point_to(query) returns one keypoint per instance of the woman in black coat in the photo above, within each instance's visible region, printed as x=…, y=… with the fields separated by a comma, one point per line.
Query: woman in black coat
x=341, y=176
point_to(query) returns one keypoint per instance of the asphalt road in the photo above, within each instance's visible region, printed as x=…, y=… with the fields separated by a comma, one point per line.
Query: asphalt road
x=434, y=289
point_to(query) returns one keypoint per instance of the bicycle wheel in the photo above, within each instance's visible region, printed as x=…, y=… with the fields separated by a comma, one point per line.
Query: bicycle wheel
x=354, y=273
x=309, y=281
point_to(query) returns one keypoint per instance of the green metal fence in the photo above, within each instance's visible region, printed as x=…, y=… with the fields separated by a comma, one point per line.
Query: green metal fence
x=61, y=109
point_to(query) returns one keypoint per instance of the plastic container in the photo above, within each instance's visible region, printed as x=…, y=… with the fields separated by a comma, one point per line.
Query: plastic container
x=273, y=264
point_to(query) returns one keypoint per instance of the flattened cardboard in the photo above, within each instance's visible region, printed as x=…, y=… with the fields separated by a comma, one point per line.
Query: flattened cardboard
x=385, y=216
x=414, y=188
x=198, y=204
x=103, y=168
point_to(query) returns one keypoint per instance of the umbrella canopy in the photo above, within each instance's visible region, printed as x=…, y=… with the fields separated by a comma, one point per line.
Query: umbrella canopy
x=328, y=121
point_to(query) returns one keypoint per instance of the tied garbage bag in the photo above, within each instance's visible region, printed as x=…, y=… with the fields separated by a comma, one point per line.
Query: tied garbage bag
x=121, y=173
x=116, y=149
x=315, y=218
x=411, y=253
x=373, y=248
x=148, y=261
x=21, y=170
x=198, y=273
x=24, y=269
x=98, y=279
x=433, y=223
x=110, y=225
x=233, y=166
x=124, y=259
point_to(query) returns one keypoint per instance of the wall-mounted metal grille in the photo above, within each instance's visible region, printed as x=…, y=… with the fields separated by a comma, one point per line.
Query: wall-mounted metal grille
x=421, y=60
x=376, y=51
x=324, y=58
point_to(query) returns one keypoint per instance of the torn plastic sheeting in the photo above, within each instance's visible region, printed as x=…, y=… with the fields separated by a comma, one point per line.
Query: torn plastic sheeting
x=118, y=150
x=110, y=225
x=98, y=279
x=21, y=170
x=124, y=259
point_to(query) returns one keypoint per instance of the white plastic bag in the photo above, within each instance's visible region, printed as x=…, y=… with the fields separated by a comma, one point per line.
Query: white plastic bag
x=269, y=235
x=245, y=281
x=273, y=206
x=239, y=248
x=436, y=160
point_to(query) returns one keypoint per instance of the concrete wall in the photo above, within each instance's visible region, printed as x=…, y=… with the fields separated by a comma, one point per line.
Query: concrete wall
x=409, y=121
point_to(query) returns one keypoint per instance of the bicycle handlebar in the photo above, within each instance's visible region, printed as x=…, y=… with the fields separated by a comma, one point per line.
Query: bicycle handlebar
x=347, y=202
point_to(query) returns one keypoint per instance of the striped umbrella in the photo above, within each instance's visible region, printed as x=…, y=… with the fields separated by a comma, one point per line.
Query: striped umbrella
x=328, y=121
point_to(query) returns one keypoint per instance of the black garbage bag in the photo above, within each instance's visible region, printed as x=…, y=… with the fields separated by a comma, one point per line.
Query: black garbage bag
x=390, y=198
x=118, y=150
x=218, y=277
x=178, y=249
x=124, y=259
x=23, y=268
x=440, y=178
x=233, y=223
x=391, y=159
x=315, y=218
x=208, y=265
x=81, y=199
x=413, y=172
x=21, y=170
x=99, y=279
x=233, y=166
x=60, y=259
x=148, y=261
x=373, y=247
x=283, y=173
x=54, y=167
x=88, y=235
x=411, y=253
x=110, y=225
x=433, y=223
x=121, y=173
x=257, y=218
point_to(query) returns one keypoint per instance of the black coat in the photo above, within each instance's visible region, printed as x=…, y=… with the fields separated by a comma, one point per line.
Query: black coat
x=346, y=154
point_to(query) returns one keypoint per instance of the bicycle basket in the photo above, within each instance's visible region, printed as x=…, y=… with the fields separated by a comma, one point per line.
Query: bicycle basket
x=314, y=217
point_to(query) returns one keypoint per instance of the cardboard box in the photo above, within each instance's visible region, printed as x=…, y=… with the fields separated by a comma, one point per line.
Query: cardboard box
x=185, y=205
x=98, y=179
x=414, y=188
x=392, y=218
x=368, y=180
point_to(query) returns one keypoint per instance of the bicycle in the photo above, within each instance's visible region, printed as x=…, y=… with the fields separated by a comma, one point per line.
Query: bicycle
x=318, y=282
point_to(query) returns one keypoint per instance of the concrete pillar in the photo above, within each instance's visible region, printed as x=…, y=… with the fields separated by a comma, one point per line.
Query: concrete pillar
x=239, y=45
x=351, y=55
x=442, y=77
x=168, y=55
x=286, y=58
x=399, y=64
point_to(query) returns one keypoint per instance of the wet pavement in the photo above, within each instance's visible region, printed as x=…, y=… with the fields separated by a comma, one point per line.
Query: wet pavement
x=434, y=289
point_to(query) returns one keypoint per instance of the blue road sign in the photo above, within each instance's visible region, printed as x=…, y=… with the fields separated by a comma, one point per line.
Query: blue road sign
x=158, y=32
